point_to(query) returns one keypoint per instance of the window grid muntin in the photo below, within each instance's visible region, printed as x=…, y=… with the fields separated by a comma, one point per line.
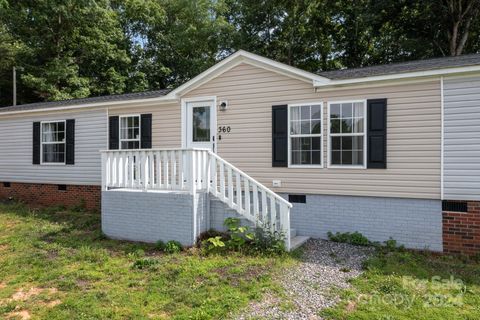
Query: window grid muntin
x=133, y=125
x=315, y=116
x=55, y=144
x=362, y=151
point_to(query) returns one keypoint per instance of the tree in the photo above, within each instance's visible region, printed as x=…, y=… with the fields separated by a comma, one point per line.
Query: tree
x=76, y=48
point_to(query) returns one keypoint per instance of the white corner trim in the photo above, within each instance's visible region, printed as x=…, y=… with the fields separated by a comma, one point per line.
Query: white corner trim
x=398, y=76
x=442, y=143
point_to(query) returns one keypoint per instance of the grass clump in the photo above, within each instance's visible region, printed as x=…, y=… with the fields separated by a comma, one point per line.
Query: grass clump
x=355, y=238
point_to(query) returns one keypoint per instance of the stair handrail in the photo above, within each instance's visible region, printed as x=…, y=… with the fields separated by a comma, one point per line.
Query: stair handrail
x=268, y=190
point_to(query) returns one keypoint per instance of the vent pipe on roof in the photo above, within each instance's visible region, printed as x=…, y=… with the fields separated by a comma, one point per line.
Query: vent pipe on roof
x=14, y=86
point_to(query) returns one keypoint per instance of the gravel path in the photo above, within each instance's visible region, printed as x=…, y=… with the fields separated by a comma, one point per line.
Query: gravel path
x=325, y=265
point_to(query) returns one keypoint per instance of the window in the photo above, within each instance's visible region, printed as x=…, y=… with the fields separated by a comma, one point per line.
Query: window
x=53, y=142
x=130, y=132
x=347, y=134
x=305, y=134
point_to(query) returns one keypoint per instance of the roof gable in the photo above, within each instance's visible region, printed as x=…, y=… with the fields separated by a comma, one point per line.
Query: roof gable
x=242, y=56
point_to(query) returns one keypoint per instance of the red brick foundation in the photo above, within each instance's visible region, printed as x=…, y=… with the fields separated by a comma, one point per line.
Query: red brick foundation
x=50, y=195
x=461, y=230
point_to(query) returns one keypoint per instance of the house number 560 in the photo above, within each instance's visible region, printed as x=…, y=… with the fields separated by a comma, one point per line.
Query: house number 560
x=223, y=129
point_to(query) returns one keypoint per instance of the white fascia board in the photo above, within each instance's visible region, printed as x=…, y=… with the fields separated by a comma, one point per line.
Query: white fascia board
x=119, y=103
x=399, y=76
x=247, y=57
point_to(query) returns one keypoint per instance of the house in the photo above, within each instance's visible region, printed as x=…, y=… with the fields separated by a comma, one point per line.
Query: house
x=389, y=151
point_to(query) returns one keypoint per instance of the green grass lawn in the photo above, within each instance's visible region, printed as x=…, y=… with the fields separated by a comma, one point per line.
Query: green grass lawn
x=411, y=285
x=55, y=264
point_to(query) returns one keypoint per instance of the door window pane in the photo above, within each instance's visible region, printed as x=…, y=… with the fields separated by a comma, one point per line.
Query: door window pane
x=201, y=124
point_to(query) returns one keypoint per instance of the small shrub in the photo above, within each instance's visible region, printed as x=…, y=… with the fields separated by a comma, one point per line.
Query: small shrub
x=240, y=238
x=355, y=238
x=160, y=245
x=239, y=235
x=269, y=242
x=144, y=263
x=213, y=244
x=173, y=246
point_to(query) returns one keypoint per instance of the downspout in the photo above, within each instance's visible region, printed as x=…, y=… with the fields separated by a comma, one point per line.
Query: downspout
x=442, y=148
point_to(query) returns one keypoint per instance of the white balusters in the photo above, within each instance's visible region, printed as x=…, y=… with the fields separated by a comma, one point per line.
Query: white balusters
x=195, y=170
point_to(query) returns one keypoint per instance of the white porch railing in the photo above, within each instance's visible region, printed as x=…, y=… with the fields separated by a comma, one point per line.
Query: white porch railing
x=196, y=170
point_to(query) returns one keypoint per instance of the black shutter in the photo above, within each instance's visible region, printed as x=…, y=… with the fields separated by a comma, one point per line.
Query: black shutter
x=280, y=136
x=146, y=134
x=36, y=143
x=377, y=133
x=70, y=142
x=113, y=132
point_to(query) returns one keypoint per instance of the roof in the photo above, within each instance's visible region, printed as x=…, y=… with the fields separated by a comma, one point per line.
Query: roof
x=404, y=67
x=100, y=99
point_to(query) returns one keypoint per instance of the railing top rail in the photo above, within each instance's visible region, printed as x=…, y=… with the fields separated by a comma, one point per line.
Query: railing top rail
x=253, y=180
x=153, y=150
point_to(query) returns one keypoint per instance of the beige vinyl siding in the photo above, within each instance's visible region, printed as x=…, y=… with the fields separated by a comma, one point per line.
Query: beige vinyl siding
x=16, y=148
x=166, y=123
x=462, y=138
x=413, y=125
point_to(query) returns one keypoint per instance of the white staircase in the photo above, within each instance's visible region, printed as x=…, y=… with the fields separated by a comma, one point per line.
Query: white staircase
x=199, y=170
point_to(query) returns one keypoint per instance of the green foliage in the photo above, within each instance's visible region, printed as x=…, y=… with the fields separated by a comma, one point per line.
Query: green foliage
x=240, y=238
x=355, y=238
x=239, y=235
x=268, y=242
x=145, y=263
x=160, y=245
x=173, y=246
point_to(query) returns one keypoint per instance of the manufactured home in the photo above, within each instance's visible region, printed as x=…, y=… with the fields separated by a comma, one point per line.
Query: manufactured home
x=390, y=151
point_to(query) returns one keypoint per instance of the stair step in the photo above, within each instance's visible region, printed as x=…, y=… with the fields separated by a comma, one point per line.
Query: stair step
x=297, y=241
x=293, y=233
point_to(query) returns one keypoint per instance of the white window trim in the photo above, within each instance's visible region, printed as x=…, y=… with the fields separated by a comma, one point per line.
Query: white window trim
x=42, y=143
x=329, y=156
x=120, y=140
x=184, y=118
x=290, y=165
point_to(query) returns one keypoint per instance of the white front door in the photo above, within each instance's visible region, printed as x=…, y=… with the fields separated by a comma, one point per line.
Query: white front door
x=201, y=124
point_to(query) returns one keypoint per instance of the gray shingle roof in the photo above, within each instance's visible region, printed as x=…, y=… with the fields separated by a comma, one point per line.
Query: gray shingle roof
x=403, y=67
x=73, y=102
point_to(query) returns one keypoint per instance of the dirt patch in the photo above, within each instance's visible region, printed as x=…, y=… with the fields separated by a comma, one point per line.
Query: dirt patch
x=21, y=295
x=53, y=303
x=3, y=285
x=3, y=247
x=21, y=314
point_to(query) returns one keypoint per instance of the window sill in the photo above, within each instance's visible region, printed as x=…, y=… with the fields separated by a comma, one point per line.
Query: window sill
x=305, y=166
x=346, y=167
